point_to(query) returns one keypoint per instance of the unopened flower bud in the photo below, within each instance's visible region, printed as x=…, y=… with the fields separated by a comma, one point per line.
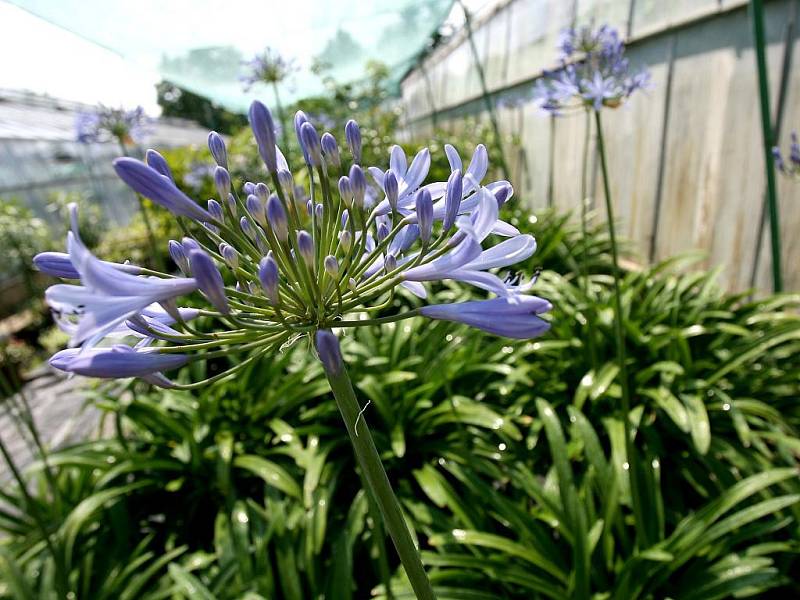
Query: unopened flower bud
x=353, y=136
x=222, y=181
x=268, y=276
x=256, y=209
x=249, y=188
x=217, y=147
x=318, y=212
x=262, y=191
x=305, y=246
x=299, y=120
x=358, y=184
x=178, y=254
x=276, y=217
x=329, y=352
x=264, y=132
x=346, y=191
x=452, y=201
x=286, y=182
x=155, y=161
x=391, y=188
x=230, y=255
x=215, y=208
x=331, y=266
x=309, y=139
x=209, y=279
x=424, y=215
x=231, y=202
x=390, y=263
x=352, y=284
x=345, y=240
x=247, y=228
x=189, y=244
x=383, y=231
x=330, y=149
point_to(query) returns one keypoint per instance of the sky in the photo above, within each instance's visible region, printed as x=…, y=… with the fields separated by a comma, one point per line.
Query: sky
x=80, y=70
x=47, y=59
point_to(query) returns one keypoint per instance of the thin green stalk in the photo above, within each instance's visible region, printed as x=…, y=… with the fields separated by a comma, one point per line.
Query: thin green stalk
x=584, y=241
x=619, y=336
x=370, y=464
x=757, y=17
x=61, y=575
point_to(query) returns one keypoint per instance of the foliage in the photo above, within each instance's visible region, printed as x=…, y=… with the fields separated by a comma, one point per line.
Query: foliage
x=508, y=459
x=178, y=102
x=22, y=235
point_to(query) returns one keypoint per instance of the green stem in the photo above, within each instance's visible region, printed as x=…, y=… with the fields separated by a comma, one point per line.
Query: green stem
x=370, y=464
x=757, y=16
x=584, y=242
x=61, y=582
x=619, y=336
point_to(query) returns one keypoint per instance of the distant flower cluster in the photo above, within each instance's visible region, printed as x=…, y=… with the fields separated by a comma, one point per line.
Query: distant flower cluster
x=266, y=67
x=276, y=262
x=593, y=73
x=105, y=124
x=792, y=166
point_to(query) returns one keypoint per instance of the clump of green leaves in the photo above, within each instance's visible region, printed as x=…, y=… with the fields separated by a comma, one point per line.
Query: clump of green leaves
x=508, y=459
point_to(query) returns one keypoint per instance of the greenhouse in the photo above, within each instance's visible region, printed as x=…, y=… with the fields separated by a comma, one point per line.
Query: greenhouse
x=456, y=300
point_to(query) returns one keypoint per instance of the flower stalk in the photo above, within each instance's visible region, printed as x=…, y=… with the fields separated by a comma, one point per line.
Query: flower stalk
x=370, y=463
x=619, y=336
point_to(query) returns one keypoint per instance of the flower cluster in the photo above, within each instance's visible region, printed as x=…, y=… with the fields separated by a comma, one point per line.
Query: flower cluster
x=276, y=262
x=792, y=167
x=593, y=73
x=112, y=124
x=266, y=67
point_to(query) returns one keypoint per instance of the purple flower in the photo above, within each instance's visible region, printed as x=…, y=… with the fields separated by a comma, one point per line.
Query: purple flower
x=594, y=72
x=267, y=67
x=329, y=352
x=264, y=131
x=209, y=279
x=118, y=361
x=791, y=167
x=108, y=296
x=352, y=135
x=330, y=149
x=160, y=189
x=512, y=317
x=105, y=124
x=155, y=161
x=216, y=146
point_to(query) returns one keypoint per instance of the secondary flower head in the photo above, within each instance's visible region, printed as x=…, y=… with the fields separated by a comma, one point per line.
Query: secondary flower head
x=594, y=72
x=270, y=262
x=266, y=67
x=105, y=124
x=789, y=167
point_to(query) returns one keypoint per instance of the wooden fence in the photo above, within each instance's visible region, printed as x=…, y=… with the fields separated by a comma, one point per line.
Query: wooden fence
x=686, y=157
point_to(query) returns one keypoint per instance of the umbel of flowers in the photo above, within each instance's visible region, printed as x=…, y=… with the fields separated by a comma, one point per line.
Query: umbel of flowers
x=105, y=124
x=594, y=72
x=276, y=263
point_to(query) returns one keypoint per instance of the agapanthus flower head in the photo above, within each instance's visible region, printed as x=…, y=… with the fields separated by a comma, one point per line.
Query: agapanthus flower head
x=593, y=72
x=790, y=167
x=274, y=262
x=104, y=124
x=266, y=67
